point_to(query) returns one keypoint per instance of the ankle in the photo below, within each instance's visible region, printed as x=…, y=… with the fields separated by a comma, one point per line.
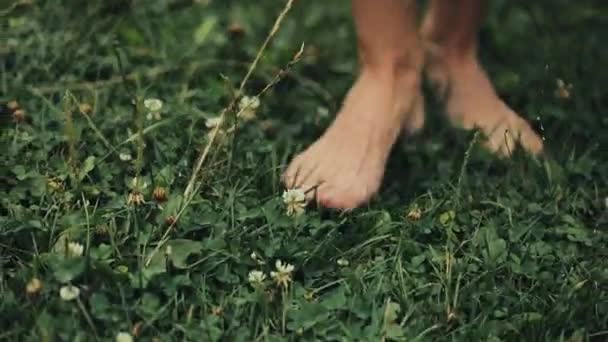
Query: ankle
x=394, y=65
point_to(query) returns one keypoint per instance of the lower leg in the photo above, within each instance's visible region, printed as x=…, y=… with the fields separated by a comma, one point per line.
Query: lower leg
x=450, y=31
x=347, y=163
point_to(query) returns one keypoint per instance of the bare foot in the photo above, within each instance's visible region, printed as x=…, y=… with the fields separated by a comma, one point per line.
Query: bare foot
x=347, y=163
x=472, y=102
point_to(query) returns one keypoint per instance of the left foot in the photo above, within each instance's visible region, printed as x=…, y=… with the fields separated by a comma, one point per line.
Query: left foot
x=347, y=163
x=472, y=102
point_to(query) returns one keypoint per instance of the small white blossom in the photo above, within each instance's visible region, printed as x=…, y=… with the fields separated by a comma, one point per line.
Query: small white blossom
x=153, y=105
x=124, y=337
x=69, y=292
x=168, y=250
x=74, y=249
x=137, y=183
x=295, y=200
x=256, y=278
x=212, y=122
x=342, y=262
x=125, y=157
x=283, y=274
x=248, y=106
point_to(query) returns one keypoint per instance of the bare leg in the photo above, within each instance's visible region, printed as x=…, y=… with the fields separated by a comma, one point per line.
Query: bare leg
x=348, y=161
x=450, y=32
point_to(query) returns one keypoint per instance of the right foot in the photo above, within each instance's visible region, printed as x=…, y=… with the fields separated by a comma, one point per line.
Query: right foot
x=472, y=102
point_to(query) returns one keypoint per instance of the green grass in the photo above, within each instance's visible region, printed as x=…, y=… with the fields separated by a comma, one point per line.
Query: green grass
x=504, y=251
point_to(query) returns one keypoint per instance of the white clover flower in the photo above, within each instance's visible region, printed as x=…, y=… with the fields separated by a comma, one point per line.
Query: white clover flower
x=256, y=278
x=153, y=105
x=283, y=274
x=248, y=106
x=295, y=200
x=212, y=122
x=125, y=157
x=124, y=337
x=137, y=183
x=257, y=258
x=342, y=262
x=69, y=292
x=74, y=250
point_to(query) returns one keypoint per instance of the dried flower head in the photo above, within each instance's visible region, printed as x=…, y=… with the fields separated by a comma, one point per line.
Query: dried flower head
x=135, y=198
x=563, y=90
x=282, y=276
x=159, y=194
x=170, y=220
x=217, y=311
x=414, y=214
x=85, y=108
x=19, y=116
x=295, y=200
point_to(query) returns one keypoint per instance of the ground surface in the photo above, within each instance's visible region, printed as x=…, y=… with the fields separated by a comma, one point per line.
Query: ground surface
x=500, y=250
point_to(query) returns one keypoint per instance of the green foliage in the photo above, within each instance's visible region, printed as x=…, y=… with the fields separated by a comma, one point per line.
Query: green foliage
x=502, y=250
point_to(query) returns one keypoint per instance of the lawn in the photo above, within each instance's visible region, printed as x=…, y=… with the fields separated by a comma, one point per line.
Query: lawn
x=120, y=219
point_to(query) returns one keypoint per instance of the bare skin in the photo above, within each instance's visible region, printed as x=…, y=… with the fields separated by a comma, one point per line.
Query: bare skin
x=450, y=34
x=346, y=164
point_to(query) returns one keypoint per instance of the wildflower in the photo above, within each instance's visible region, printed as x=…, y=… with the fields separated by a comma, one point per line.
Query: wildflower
x=212, y=122
x=124, y=337
x=168, y=251
x=138, y=184
x=135, y=198
x=283, y=274
x=19, y=116
x=295, y=199
x=236, y=30
x=415, y=214
x=69, y=292
x=85, y=108
x=125, y=157
x=74, y=249
x=33, y=287
x=563, y=90
x=54, y=184
x=342, y=262
x=170, y=220
x=309, y=295
x=13, y=105
x=257, y=258
x=247, y=107
x=217, y=310
x=256, y=278
x=153, y=105
x=159, y=194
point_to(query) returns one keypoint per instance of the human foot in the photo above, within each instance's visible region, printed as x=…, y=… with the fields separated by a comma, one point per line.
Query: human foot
x=347, y=162
x=472, y=102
